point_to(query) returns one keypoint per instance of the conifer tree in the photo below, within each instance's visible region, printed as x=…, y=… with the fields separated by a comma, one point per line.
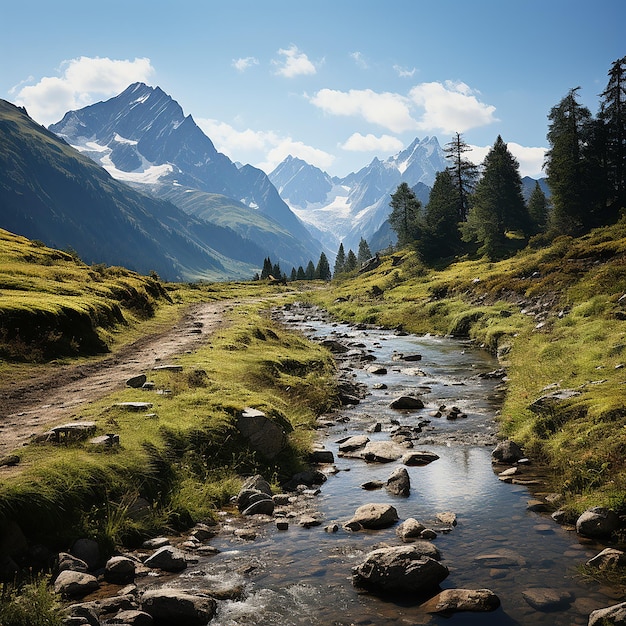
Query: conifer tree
x=276, y=271
x=294, y=275
x=498, y=205
x=340, y=260
x=364, y=252
x=310, y=271
x=322, y=271
x=405, y=214
x=300, y=274
x=267, y=268
x=538, y=209
x=464, y=174
x=351, y=262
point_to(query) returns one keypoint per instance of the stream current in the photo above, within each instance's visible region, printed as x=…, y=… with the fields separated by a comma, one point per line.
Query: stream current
x=303, y=575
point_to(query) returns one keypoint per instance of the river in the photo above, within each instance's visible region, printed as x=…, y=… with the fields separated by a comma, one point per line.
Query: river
x=303, y=575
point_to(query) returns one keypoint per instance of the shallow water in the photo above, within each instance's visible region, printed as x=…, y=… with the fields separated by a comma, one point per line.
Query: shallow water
x=303, y=576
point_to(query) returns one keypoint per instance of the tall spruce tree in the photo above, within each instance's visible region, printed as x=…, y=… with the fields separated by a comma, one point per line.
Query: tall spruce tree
x=364, y=252
x=300, y=274
x=464, y=174
x=498, y=204
x=340, y=261
x=310, y=271
x=351, y=262
x=322, y=271
x=566, y=165
x=267, y=268
x=294, y=275
x=538, y=209
x=405, y=214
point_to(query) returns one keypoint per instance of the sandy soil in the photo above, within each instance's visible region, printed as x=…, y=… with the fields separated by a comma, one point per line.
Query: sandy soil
x=56, y=397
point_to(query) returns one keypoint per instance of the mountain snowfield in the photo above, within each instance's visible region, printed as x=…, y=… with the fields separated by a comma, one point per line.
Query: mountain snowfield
x=346, y=209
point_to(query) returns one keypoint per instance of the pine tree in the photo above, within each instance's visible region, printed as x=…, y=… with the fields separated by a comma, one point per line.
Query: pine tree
x=464, y=174
x=565, y=165
x=441, y=220
x=538, y=209
x=294, y=275
x=340, y=261
x=322, y=271
x=364, y=253
x=498, y=205
x=351, y=262
x=267, y=269
x=310, y=271
x=405, y=214
x=300, y=274
x=276, y=271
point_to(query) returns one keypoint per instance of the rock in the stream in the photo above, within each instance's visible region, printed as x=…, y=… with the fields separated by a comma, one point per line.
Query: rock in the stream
x=382, y=452
x=322, y=456
x=410, y=530
x=610, y=616
x=447, y=517
x=399, y=483
x=353, y=443
x=168, y=559
x=547, y=599
x=373, y=516
x=609, y=558
x=408, y=403
x=420, y=457
x=71, y=584
x=507, y=452
x=171, y=606
x=132, y=617
x=119, y=570
x=597, y=522
x=255, y=497
x=400, y=570
x=67, y=561
x=453, y=600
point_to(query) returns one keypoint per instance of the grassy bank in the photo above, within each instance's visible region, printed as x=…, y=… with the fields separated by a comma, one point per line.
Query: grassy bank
x=554, y=316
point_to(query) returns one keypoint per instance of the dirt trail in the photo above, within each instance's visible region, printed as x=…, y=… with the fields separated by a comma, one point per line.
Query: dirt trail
x=56, y=397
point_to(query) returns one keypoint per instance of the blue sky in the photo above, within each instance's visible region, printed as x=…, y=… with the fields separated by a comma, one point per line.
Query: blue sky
x=336, y=83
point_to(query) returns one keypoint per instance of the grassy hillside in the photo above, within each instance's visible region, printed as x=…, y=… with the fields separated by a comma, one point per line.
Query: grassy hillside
x=555, y=316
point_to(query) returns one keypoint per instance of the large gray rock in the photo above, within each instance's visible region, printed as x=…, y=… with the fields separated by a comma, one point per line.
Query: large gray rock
x=171, y=606
x=610, y=616
x=452, y=600
x=263, y=434
x=71, y=584
x=407, y=403
x=410, y=529
x=67, y=561
x=597, y=522
x=168, y=559
x=507, y=452
x=382, y=452
x=373, y=516
x=119, y=570
x=399, y=570
x=399, y=483
x=255, y=497
x=132, y=618
x=353, y=443
x=419, y=457
x=547, y=599
x=609, y=558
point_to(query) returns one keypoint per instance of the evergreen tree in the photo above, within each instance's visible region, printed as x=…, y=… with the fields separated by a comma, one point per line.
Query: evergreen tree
x=310, y=271
x=300, y=274
x=276, y=271
x=538, y=209
x=322, y=271
x=498, y=205
x=267, y=268
x=256, y=276
x=441, y=220
x=364, y=253
x=464, y=174
x=405, y=214
x=565, y=165
x=340, y=260
x=612, y=116
x=294, y=275
x=351, y=262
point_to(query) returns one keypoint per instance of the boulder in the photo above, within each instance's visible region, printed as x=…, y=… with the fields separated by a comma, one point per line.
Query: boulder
x=262, y=434
x=171, y=606
x=547, y=599
x=507, y=451
x=119, y=570
x=452, y=600
x=609, y=616
x=410, y=529
x=309, y=478
x=419, y=457
x=353, y=443
x=399, y=483
x=597, y=522
x=66, y=561
x=322, y=456
x=255, y=497
x=132, y=618
x=373, y=516
x=447, y=517
x=87, y=550
x=609, y=558
x=71, y=584
x=400, y=570
x=408, y=403
x=382, y=452
x=264, y=505
x=136, y=381
x=168, y=559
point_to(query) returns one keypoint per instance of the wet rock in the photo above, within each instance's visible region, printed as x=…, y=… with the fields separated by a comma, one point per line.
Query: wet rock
x=132, y=617
x=85, y=612
x=203, y=532
x=546, y=599
x=447, y=517
x=453, y=600
x=374, y=516
x=71, y=584
x=507, y=452
x=322, y=456
x=308, y=478
x=308, y=521
x=168, y=559
x=410, y=530
x=377, y=370
x=262, y=505
x=400, y=570
x=67, y=561
x=382, y=452
x=428, y=534
x=155, y=543
x=609, y=558
x=353, y=443
x=501, y=558
x=170, y=606
x=119, y=570
x=597, y=522
x=334, y=346
x=419, y=457
x=255, y=497
x=372, y=485
x=408, y=403
x=611, y=615
x=399, y=483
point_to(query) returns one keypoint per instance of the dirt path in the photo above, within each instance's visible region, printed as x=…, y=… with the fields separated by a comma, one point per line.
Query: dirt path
x=56, y=397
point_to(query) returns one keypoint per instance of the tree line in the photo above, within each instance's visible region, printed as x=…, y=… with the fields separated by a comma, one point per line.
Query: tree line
x=484, y=208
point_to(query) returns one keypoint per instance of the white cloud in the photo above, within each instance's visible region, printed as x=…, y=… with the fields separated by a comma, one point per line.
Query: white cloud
x=450, y=107
x=371, y=143
x=295, y=63
x=263, y=149
x=81, y=82
x=241, y=65
x=404, y=72
x=530, y=159
x=359, y=60
x=389, y=110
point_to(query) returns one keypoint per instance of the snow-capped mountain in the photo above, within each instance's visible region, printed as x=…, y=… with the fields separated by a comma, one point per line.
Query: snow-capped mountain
x=143, y=138
x=346, y=209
